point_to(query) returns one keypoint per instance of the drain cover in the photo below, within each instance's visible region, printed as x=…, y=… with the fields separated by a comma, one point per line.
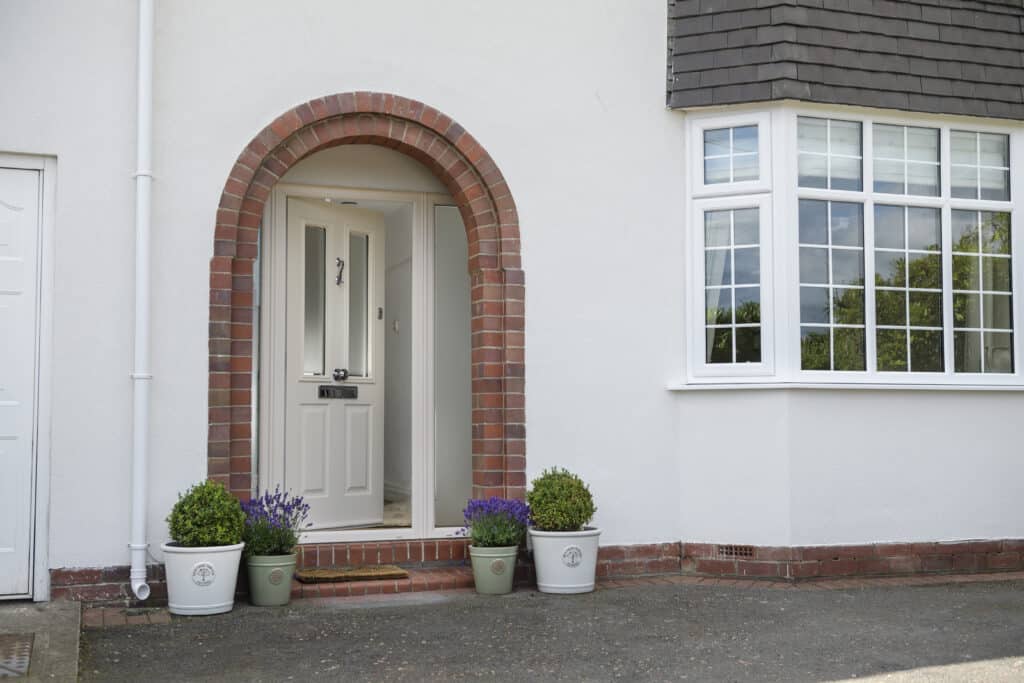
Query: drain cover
x=15, y=653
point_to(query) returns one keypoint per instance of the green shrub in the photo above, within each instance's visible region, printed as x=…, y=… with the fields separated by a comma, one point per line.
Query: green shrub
x=207, y=515
x=560, y=501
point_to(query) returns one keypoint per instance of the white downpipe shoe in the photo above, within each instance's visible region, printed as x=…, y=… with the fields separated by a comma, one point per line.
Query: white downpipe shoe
x=201, y=580
x=565, y=561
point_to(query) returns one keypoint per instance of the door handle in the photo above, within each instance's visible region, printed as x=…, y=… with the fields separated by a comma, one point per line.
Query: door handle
x=340, y=374
x=341, y=271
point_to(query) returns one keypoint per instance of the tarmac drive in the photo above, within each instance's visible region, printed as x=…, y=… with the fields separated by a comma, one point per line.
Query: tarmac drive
x=960, y=632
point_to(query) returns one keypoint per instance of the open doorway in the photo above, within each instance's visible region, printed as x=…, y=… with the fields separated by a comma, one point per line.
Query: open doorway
x=365, y=387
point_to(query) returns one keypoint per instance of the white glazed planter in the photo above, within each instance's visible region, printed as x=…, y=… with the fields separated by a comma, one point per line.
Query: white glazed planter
x=566, y=561
x=201, y=580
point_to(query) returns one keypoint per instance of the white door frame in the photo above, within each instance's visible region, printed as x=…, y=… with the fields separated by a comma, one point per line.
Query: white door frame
x=269, y=384
x=40, y=494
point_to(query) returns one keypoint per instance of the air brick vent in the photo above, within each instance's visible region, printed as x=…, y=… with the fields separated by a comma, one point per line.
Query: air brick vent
x=735, y=552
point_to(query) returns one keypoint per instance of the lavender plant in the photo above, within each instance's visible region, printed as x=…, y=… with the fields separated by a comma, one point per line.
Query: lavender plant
x=496, y=522
x=273, y=522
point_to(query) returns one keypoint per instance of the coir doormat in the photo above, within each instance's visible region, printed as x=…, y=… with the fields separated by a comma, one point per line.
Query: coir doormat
x=377, y=572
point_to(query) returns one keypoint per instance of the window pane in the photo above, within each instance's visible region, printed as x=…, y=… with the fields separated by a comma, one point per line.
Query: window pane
x=744, y=139
x=888, y=141
x=314, y=300
x=846, y=174
x=926, y=309
x=745, y=167
x=359, y=305
x=923, y=144
x=998, y=352
x=889, y=176
x=849, y=348
x=848, y=306
x=717, y=267
x=998, y=314
x=892, y=350
x=748, y=266
x=716, y=229
x=812, y=135
x=847, y=224
x=967, y=351
x=995, y=184
x=891, y=268
x=964, y=147
x=923, y=179
x=995, y=149
x=926, y=351
x=889, y=227
x=845, y=137
x=748, y=305
x=965, y=231
x=965, y=272
x=924, y=229
x=716, y=142
x=924, y=271
x=966, y=310
x=815, y=350
x=995, y=274
x=995, y=232
x=813, y=170
x=965, y=182
x=848, y=267
x=813, y=265
x=814, y=305
x=748, y=344
x=718, y=306
x=890, y=307
x=746, y=226
x=716, y=170
x=813, y=221
x=719, y=345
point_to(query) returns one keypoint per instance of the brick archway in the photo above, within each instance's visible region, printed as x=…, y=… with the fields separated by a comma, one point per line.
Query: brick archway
x=496, y=275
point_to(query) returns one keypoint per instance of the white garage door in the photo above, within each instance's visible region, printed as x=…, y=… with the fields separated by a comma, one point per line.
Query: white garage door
x=19, y=290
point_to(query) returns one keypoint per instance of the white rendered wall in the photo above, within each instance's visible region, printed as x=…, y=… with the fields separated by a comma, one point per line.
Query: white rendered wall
x=568, y=98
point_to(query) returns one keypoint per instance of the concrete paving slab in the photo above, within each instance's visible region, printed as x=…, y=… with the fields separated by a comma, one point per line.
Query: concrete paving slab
x=54, y=629
x=641, y=632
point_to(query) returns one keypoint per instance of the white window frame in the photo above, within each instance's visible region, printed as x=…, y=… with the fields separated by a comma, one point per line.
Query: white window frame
x=698, y=357
x=763, y=183
x=781, y=315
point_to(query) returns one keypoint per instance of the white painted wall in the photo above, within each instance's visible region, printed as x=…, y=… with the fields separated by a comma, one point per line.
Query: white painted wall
x=576, y=121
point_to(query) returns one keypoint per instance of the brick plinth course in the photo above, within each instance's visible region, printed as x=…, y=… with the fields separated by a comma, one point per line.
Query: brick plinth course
x=496, y=277
x=881, y=559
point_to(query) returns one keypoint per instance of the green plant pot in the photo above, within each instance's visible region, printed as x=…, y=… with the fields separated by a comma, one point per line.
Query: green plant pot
x=494, y=569
x=270, y=579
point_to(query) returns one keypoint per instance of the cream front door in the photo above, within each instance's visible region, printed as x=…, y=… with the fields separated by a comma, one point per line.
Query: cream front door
x=334, y=404
x=19, y=290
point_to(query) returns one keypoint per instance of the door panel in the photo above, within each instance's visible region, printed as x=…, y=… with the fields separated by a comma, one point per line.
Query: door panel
x=19, y=237
x=335, y=284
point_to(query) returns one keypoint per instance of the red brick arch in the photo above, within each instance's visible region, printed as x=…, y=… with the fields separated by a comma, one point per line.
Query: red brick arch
x=497, y=282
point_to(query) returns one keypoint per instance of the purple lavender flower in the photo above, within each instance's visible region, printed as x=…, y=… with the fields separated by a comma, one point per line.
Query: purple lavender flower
x=495, y=522
x=273, y=522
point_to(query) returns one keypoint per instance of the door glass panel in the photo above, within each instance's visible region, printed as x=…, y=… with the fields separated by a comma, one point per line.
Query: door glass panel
x=453, y=433
x=359, y=305
x=316, y=269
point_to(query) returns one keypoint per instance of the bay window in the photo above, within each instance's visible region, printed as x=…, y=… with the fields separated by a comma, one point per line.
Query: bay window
x=831, y=246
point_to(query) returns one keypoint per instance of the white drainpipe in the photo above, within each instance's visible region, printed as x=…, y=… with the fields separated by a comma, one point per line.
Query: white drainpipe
x=140, y=373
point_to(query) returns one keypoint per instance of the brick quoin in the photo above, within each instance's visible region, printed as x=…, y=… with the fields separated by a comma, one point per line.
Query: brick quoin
x=496, y=275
